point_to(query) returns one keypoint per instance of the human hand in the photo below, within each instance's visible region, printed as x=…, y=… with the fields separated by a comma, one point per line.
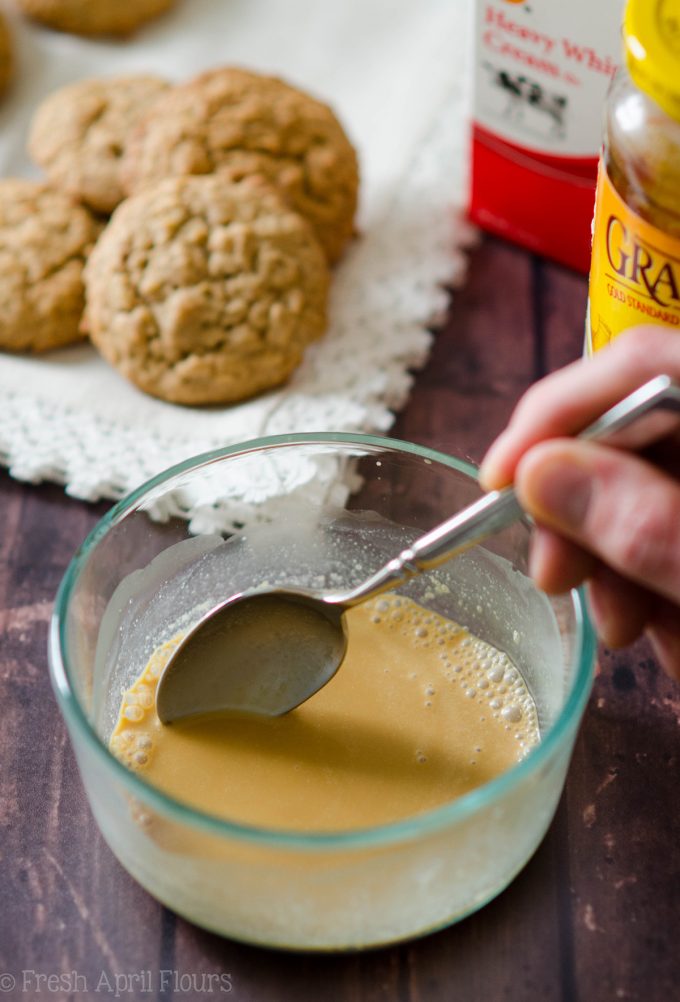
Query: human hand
x=603, y=514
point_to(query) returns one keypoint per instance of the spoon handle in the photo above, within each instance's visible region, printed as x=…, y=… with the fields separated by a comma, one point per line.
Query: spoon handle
x=499, y=509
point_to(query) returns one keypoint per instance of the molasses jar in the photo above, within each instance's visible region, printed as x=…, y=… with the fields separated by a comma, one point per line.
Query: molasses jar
x=635, y=266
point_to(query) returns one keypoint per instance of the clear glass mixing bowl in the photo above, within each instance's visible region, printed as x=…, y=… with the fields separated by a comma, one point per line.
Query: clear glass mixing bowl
x=323, y=511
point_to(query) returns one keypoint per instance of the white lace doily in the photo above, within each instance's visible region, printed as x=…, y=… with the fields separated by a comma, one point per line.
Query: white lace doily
x=393, y=71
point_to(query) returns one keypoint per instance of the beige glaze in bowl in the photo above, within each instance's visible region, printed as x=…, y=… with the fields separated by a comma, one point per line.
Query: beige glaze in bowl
x=321, y=511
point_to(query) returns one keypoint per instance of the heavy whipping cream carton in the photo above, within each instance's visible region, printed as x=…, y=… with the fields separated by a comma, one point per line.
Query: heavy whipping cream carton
x=542, y=68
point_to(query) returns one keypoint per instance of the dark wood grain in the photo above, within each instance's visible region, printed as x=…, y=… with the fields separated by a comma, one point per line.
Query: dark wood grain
x=592, y=918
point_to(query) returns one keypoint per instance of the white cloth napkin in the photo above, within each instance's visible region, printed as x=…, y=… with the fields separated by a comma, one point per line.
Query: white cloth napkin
x=394, y=71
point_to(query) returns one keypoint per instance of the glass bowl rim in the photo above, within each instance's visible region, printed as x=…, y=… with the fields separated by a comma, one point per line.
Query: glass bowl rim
x=405, y=829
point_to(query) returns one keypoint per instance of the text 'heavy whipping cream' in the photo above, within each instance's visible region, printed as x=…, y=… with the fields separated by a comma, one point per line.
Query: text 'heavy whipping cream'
x=542, y=68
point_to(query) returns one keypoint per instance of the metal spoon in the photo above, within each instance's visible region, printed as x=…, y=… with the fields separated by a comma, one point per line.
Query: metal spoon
x=268, y=650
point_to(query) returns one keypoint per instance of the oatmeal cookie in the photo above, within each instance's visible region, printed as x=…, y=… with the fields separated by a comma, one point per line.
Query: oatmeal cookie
x=78, y=134
x=45, y=237
x=241, y=123
x=94, y=17
x=202, y=291
x=6, y=55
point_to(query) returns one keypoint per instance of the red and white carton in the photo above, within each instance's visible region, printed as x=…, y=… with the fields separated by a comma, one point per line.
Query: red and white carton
x=542, y=68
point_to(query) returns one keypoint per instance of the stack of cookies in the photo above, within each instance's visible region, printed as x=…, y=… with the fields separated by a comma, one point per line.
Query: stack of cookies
x=230, y=196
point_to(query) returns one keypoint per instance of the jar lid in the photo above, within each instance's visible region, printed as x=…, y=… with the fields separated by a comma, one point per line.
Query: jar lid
x=651, y=34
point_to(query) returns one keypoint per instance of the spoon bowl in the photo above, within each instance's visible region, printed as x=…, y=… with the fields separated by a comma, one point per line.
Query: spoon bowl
x=280, y=639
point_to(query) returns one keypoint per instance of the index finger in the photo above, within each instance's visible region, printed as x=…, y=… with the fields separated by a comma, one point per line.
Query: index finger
x=566, y=401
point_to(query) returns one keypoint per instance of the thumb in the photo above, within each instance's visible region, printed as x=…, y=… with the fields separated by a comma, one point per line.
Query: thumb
x=610, y=502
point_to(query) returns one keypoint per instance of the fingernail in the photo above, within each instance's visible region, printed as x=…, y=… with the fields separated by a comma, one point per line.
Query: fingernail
x=557, y=491
x=599, y=615
x=537, y=558
x=490, y=471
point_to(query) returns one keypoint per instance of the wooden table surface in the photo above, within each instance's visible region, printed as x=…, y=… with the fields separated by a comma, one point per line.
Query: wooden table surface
x=594, y=916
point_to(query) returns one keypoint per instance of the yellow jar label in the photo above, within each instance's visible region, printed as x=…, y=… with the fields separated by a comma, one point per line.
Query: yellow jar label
x=635, y=270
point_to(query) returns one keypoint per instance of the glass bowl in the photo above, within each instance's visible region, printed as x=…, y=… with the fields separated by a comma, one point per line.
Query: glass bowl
x=324, y=511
